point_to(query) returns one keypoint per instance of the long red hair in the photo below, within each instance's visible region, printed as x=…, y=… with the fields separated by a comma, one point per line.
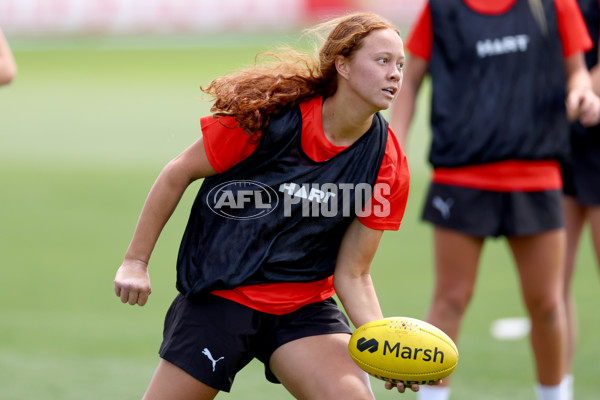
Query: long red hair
x=288, y=77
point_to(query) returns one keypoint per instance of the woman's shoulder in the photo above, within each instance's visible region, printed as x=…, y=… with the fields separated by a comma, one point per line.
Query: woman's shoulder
x=311, y=105
x=394, y=153
x=225, y=142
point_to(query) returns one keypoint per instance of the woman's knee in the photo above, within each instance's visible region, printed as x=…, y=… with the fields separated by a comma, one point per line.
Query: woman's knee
x=352, y=389
x=454, y=302
x=546, y=309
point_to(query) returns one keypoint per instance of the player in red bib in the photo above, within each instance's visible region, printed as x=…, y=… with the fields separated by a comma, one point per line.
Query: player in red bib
x=501, y=72
x=301, y=177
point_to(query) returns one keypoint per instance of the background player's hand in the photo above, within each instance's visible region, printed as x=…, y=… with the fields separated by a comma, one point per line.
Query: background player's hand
x=132, y=282
x=583, y=105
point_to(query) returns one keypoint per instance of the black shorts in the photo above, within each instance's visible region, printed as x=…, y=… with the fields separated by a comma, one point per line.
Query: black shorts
x=484, y=213
x=581, y=172
x=212, y=338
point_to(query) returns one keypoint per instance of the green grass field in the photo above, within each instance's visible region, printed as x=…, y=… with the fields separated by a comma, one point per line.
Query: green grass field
x=84, y=130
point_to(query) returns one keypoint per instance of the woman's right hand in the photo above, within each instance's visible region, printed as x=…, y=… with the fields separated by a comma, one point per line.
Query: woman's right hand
x=132, y=282
x=402, y=388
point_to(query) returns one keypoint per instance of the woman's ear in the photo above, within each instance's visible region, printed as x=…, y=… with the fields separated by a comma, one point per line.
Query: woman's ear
x=342, y=66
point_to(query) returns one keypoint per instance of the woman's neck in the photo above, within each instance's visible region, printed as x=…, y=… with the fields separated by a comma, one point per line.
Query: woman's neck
x=343, y=124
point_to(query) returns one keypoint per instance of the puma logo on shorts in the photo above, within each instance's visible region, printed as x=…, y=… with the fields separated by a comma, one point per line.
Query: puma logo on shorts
x=443, y=206
x=206, y=352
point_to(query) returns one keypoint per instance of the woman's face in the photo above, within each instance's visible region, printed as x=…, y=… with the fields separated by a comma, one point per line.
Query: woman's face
x=374, y=72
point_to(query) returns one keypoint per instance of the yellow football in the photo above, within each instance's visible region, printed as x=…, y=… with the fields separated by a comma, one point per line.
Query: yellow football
x=402, y=349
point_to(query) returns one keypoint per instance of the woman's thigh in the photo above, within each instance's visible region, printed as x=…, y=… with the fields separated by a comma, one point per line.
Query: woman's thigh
x=320, y=367
x=540, y=262
x=171, y=382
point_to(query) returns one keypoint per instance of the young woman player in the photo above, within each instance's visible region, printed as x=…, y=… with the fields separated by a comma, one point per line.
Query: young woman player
x=260, y=286
x=581, y=178
x=501, y=72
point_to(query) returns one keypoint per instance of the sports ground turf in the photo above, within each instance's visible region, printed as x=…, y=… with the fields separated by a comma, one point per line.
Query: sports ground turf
x=84, y=130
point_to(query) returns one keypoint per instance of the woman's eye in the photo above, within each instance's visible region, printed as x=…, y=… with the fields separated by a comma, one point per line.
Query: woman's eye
x=382, y=60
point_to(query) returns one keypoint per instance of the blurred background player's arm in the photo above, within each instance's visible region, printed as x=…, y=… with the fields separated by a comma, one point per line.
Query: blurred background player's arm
x=404, y=106
x=8, y=67
x=595, y=75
